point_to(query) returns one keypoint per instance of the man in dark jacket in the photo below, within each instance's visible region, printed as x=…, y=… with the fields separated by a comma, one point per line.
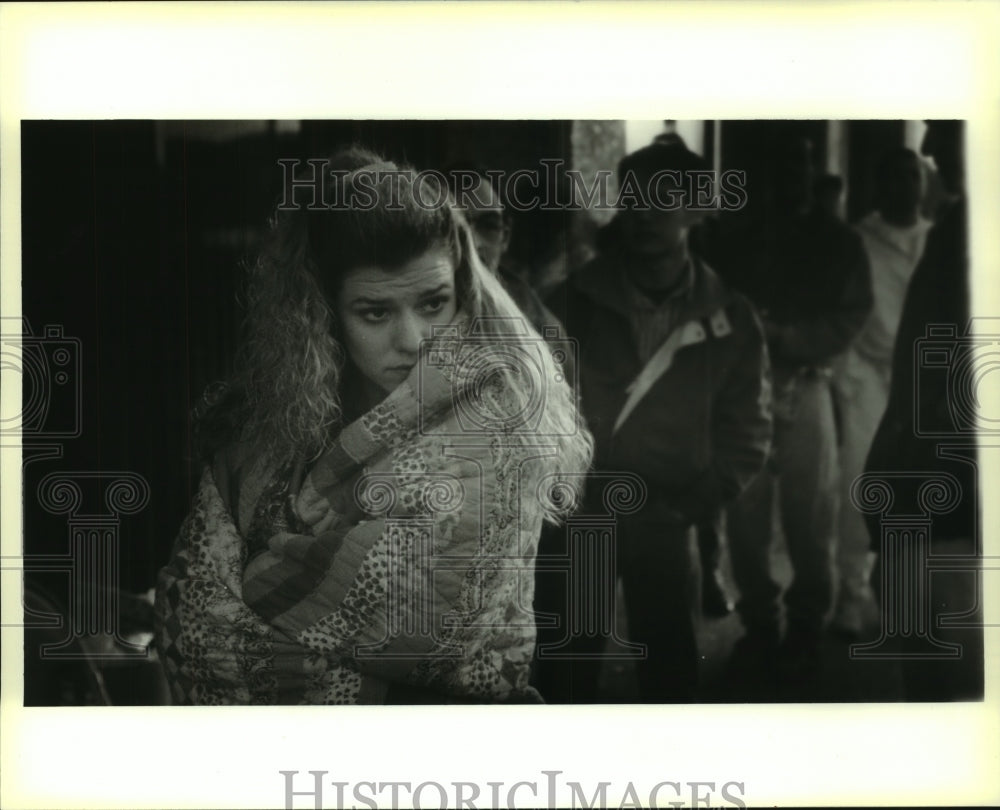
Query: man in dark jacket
x=808, y=274
x=675, y=388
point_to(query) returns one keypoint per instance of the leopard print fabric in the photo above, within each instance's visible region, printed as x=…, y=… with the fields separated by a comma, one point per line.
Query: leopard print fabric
x=431, y=588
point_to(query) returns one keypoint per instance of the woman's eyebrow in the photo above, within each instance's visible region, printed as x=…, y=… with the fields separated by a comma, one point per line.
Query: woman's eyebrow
x=372, y=300
x=436, y=290
x=365, y=300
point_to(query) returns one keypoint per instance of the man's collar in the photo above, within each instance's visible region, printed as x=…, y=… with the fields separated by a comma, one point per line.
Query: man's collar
x=601, y=281
x=645, y=300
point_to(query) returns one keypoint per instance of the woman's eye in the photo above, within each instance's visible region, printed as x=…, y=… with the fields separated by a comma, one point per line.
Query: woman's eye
x=374, y=314
x=434, y=305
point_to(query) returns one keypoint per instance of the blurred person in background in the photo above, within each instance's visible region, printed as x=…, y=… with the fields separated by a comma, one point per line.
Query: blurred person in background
x=675, y=388
x=710, y=533
x=808, y=274
x=490, y=221
x=894, y=236
x=938, y=295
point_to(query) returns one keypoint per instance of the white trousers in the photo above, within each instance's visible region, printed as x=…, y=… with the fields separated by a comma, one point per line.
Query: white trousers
x=862, y=389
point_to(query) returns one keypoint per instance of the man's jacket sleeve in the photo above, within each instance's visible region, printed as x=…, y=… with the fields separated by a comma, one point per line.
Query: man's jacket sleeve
x=818, y=338
x=741, y=423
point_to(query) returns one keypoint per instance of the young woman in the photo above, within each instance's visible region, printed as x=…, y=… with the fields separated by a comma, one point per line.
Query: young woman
x=377, y=470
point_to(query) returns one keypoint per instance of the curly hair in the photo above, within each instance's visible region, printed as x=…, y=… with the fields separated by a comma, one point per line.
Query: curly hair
x=284, y=399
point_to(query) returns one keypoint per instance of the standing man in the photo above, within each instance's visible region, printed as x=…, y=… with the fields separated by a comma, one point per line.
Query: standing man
x=808, y=274
x=675, y=388
x=894, y=237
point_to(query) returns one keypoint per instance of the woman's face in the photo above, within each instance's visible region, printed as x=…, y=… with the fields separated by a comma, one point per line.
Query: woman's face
x=385, y=313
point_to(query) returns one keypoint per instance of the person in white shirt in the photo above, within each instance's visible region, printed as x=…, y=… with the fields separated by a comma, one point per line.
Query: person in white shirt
x=894, y=236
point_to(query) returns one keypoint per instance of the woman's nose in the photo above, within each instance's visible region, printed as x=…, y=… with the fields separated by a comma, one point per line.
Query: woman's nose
x=410, y=331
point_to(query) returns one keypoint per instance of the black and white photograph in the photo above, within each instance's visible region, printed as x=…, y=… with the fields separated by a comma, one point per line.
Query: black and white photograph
x=399, y=421
x=695, y=323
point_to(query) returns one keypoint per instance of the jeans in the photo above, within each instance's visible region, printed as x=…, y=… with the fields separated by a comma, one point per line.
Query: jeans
x=803, y=470
x=863, y=391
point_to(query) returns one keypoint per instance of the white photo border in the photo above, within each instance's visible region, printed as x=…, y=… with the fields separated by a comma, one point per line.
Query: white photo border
x=713, y=60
